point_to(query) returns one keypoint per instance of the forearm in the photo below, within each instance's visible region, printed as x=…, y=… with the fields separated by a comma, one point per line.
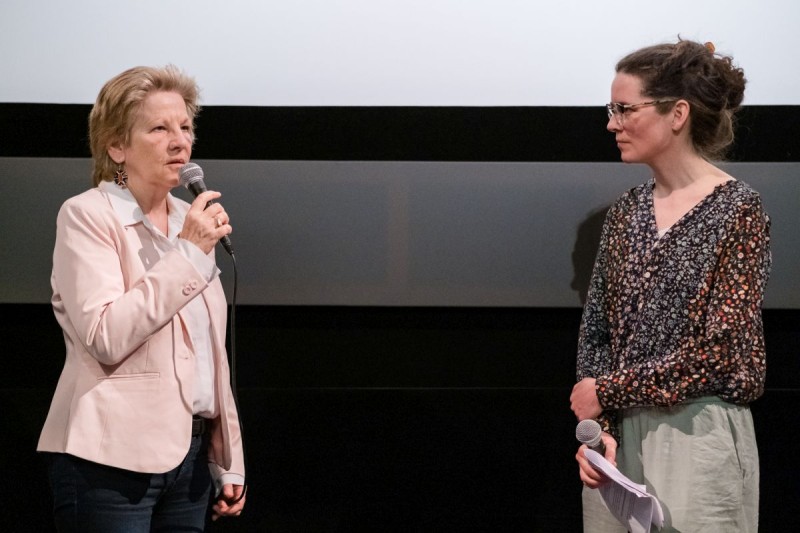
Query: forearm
x=108, y=298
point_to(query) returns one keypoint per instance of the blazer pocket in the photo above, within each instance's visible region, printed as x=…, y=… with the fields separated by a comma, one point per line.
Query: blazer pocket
x=131, y=392
x=122, y=378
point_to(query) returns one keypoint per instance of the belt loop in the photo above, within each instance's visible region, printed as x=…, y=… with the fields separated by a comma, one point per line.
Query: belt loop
x=198, y=426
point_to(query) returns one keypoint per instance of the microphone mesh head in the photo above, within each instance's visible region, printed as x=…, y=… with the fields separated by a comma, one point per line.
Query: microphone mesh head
x=190, y=173
x=588, y=432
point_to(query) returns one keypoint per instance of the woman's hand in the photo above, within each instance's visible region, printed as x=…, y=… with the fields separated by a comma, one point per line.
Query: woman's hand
x=204, y=226
x=589, y=476
x=225, y=505
x=583, y=400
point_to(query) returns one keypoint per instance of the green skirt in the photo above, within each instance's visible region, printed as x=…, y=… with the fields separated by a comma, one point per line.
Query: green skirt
x=699, y=458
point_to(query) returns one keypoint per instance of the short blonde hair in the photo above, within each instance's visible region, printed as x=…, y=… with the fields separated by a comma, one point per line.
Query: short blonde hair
x=120, y=100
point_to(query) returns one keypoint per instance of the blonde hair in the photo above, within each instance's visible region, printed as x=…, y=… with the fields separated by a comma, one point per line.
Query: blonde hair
x=118, y=104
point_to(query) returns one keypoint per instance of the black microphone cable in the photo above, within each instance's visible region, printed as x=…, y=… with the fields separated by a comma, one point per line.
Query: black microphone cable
x=232, y=364
x=191, y=177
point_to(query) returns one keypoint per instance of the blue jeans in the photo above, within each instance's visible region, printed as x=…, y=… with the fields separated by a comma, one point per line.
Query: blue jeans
x=90, y=497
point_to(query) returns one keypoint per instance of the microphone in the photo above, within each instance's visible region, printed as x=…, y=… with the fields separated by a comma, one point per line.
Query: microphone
x=192, y=179
x=588, y=432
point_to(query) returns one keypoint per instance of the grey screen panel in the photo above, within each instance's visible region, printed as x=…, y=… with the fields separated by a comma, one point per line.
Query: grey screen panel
x=392, y=233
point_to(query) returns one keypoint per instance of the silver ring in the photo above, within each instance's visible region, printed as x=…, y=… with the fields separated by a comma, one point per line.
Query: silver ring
x=218, y=221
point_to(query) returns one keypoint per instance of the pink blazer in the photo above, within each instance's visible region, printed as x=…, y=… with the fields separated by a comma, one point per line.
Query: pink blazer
x=125, y=394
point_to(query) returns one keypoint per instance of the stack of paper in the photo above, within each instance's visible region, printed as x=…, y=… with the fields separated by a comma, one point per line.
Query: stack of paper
x=629, y=502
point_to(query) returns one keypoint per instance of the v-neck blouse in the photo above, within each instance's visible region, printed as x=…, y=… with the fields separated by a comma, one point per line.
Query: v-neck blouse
x=677, y=316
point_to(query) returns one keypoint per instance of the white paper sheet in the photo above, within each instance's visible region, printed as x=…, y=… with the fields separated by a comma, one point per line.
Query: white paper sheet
x=629, y=502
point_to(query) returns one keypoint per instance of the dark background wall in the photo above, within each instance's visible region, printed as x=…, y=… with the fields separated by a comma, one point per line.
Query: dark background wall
x=362, y=414
x=395, y=419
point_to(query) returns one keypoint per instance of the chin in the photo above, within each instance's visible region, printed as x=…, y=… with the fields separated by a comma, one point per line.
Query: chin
x=628, y=158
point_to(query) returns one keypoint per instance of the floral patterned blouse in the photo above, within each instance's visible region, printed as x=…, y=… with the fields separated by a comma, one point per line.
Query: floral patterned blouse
x=677, y=317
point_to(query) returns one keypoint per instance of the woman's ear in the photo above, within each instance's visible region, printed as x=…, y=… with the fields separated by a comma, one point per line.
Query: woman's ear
x=116, y=152
x=680, y=115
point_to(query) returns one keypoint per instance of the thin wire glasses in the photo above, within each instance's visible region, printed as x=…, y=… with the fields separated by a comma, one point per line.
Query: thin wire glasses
x=618, y=110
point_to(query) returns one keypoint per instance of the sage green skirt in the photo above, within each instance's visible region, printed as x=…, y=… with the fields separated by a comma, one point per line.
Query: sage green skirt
x=699, y=458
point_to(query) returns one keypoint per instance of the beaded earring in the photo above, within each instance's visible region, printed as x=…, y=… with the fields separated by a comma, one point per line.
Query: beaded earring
x=121, y=177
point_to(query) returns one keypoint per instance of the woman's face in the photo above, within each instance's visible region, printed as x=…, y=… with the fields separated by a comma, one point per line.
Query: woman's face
x=644, y=133
x=160, y=142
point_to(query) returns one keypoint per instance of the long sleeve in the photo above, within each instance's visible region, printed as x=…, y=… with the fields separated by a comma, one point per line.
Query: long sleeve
x=114, y=311
x=724, y=352
x=594, y=348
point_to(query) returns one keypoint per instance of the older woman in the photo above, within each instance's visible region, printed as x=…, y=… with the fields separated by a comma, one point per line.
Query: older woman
x=143, y=418
x=671, y=347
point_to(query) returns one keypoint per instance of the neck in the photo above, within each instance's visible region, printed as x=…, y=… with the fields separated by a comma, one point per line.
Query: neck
x=154, y=206
x=150, y=201
x=673, y=174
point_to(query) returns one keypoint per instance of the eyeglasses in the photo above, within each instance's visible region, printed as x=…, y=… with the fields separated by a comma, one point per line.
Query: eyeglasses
x=618, y=110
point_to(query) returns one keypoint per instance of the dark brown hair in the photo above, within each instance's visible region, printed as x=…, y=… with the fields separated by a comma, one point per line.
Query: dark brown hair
x=711, y=83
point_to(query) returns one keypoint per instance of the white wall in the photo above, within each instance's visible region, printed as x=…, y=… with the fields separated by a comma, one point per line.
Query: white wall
x=382, y=52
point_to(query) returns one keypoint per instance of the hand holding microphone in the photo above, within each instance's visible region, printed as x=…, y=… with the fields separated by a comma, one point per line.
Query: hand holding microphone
x=590, y=433
x=191, y=176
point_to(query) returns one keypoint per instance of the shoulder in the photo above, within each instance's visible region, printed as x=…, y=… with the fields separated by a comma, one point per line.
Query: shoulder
x=93, y=200
x=738, y=188
x=739, y=197
x=632, y=199
x=86, y=197
x=741, y=208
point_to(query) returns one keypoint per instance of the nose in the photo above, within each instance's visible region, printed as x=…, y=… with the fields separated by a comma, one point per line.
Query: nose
x=178, y=140
x=613, y=124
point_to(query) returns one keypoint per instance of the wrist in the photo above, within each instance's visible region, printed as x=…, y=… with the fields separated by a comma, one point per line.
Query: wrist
x=605, y=392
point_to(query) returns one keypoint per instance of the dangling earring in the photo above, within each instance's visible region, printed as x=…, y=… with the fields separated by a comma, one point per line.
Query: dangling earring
x=121, y=177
